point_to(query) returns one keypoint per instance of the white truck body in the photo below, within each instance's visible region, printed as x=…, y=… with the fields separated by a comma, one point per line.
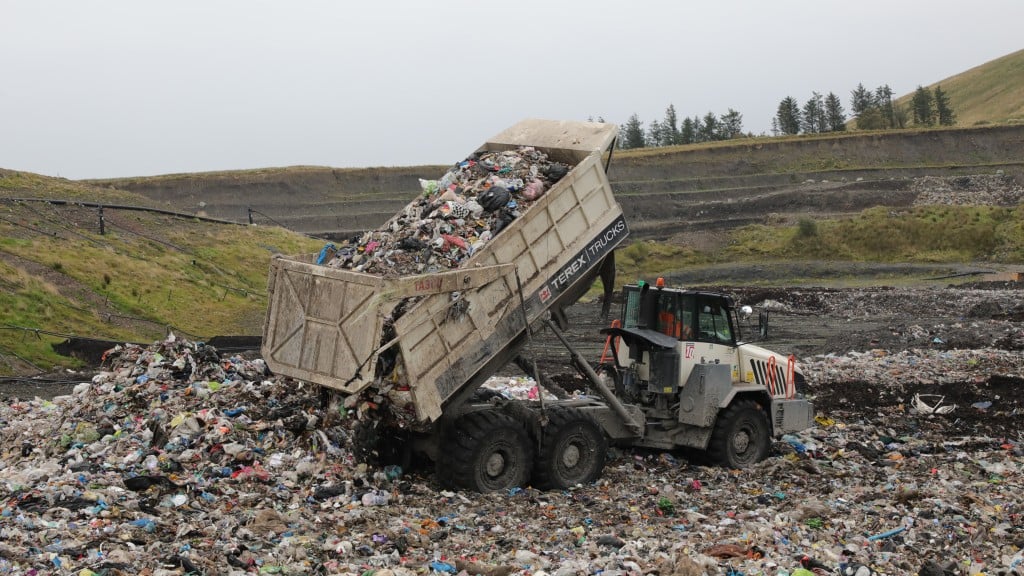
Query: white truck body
x=325, y=325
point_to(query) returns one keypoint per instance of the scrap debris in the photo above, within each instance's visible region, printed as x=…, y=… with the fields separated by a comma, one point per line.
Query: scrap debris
x=177, y=460
x=454, y=216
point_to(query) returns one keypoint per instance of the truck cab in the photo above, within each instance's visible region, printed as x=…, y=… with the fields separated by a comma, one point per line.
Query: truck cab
x=699, y=327
x=680, y=358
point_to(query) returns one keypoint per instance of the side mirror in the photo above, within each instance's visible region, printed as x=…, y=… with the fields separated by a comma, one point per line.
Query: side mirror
x=762, y=323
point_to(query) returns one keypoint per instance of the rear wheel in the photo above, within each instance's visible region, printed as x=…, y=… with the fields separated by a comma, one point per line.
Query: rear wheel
x=741, y=435
x=487, y=451
x=572, y=450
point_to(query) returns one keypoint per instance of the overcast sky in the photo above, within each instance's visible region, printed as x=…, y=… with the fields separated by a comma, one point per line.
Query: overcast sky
x=133, y=88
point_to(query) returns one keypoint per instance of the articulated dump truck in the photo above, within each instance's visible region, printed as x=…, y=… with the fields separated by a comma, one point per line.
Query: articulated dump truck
x=421, y=344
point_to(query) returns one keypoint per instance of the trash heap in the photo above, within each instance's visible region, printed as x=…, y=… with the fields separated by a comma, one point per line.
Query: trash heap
x=914, y=366
x=176, y=460
x=970, y=190
x=454, y=216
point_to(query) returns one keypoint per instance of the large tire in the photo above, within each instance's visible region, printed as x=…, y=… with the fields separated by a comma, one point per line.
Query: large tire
x=572, y=450
x=742, y=435
x=487, y=451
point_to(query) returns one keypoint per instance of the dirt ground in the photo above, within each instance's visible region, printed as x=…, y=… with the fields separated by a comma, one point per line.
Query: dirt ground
x=897, y=332
x=824, y=324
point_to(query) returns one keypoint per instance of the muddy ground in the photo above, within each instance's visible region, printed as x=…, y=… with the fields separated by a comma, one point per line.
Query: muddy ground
x=963, y=342
x=904, y=338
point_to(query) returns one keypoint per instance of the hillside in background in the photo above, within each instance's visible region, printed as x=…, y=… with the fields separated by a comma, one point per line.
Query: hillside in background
x=147, y=273
x=992, y=93
x=338, y=203
x=178, y=252
x=668, y=194
x=936, y=197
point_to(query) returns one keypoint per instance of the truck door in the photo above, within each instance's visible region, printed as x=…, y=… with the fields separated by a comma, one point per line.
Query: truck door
x=714, y=339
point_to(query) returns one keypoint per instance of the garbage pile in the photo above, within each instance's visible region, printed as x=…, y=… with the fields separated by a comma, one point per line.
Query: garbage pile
x=981, y=315
x=952, y=301
x=455, y=215
x=914, y=366
x=974, y=190
x=175, y=460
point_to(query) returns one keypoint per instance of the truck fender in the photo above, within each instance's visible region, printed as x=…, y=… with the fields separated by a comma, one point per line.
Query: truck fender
x=755, y=393
x=752, y=391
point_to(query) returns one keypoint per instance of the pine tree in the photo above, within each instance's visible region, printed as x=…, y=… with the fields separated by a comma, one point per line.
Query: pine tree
x=923, y=107
x=835, y=117
x=883, y=100
x=687, y=134
x=813, y=119
x=655, y=134
x=731, y=125
x=671, y=126
x=698, y=130
x=788, y=116
x=942, y=108
x=709, y=131
x=861, y=100
x=632, y=133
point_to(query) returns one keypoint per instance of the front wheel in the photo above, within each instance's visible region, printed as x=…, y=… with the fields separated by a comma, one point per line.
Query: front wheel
x=572, y=450
x=741, y=437
x=487, y=451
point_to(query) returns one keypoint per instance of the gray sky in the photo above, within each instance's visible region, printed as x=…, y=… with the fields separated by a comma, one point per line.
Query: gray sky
x=131, y=88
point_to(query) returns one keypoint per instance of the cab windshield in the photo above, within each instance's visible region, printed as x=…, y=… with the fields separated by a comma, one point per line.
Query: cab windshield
x=683, y=315
x=714, y=322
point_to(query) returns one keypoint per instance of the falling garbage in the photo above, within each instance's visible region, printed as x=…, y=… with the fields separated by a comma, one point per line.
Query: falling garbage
x=453, y=217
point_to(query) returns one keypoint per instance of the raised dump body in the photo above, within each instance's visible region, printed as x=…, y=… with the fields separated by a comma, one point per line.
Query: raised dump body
x=331, y=326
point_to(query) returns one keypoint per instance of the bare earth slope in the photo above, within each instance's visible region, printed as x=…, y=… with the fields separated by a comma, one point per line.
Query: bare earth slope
x=663, y=191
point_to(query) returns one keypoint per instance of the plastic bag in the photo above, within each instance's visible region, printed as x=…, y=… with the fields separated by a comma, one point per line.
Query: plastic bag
x=535, y=189
x=494, y=198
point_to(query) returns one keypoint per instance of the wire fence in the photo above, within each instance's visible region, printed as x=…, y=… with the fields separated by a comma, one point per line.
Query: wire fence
x=103, y=222
x=60, y=228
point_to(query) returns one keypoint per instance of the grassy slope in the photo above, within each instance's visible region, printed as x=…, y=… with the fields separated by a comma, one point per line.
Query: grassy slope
x=991, y=93
x=921, y=235
x=147, y=273
x=925, y=234
x=15, y=184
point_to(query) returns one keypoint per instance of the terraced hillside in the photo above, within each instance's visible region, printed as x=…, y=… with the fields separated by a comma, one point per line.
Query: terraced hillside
x=151, y=271
x=668, y=193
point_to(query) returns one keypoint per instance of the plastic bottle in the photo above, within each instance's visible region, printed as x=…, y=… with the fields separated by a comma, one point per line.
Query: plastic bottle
x=392, y=472
x=376, y=498
x=795, y=443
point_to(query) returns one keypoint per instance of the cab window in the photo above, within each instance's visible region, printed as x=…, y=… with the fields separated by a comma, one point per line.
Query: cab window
x=675, y=315
x=714, y=323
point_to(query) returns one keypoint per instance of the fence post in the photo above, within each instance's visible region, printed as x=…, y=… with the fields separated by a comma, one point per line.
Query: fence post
x=103, y=229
